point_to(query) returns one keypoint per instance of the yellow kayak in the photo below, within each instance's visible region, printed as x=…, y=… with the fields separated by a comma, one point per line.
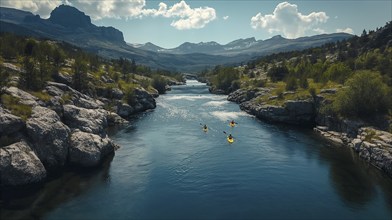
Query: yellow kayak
x=232, y=124
x=205, y=129
x=230, y=140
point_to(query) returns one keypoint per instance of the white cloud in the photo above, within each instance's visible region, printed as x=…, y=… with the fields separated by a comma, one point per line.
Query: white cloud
x=225, y=17
x=287, y=20
x=347, y=30
x=184, y=16
x=319, y=30
x=41, y=7
x=187, y=17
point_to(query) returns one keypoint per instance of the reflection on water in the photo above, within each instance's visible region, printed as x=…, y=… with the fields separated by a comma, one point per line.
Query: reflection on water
x=33, y=202
x=168, y=168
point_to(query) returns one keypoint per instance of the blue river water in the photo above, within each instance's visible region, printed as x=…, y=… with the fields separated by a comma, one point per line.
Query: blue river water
x=168, y=168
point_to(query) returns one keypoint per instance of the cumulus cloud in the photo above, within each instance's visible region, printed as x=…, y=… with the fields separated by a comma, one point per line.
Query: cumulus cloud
x=346, y=30
x=41, y=7
x=288, y=20
x=184, y=17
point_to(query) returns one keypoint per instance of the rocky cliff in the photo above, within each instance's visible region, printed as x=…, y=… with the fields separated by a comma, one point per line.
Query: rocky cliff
x=69, y=128
x=372, y=144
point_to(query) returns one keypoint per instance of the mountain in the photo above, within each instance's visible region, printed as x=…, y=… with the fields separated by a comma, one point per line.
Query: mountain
x=249, y=46
x=70, y=25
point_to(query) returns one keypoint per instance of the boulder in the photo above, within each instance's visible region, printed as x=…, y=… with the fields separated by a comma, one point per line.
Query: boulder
x=143, y=100
x=19, y=165
x=10, y=124
x=115, y=119
x=124, y=110
x=300, y=112
x=87, y=120
x=63, y=78
x=50, y=137
x=88, y=149
x=79, y=99
x=241, y=95
x=24, y=97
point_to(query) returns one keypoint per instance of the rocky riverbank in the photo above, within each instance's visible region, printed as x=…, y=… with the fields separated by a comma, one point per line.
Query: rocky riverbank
x=372, y=144
x=68, y=128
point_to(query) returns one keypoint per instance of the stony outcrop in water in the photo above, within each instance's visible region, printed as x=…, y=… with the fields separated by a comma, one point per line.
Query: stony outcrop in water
x=20, y=165
x=87, y=149
x=371, y=144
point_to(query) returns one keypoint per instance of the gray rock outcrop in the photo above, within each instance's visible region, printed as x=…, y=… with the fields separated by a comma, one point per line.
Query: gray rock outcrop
x=22, y=96
x=50, y=137
x=143, y=100
x=58, y=90
x=293, y=112
x=87, y=120
x=19, y=165
x=88, y=149
x=10, y=123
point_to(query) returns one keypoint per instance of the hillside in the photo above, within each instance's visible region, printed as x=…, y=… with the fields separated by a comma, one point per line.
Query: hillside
x=57, y=101
x=343, y=90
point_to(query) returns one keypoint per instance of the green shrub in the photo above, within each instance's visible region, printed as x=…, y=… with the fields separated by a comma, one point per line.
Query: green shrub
x=159, y=83
x=279, y=93
x=338, y=72
x=278, y=73
x=12, y=103
x=259, y=83
x=312, y=91
x=42, y=96
x=303, y=82
x=291, y=84
x=364, y=94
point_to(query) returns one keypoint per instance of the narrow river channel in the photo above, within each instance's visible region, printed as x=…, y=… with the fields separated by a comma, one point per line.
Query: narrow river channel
x=168, y=168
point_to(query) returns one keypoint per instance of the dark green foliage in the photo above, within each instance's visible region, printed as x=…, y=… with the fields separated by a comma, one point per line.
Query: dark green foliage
x=79, y=78
x=4, y=74
x=224, y=78
x=364, y=94
x=236, y=84
x=29, y=77
x=291, y=84
x=278, y=73
x=159, y=83
x=312, y=92
x=337, y=72
x=303, y=82
x=29, y=47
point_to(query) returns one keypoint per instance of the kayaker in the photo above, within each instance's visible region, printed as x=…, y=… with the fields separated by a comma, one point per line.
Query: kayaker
x=205, y=127
x=230, y=137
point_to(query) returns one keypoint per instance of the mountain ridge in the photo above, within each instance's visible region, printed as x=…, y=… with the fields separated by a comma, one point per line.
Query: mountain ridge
x=239, y=46
x=109, y=42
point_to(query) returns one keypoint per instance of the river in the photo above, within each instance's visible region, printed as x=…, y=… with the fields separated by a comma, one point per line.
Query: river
x=168, y=168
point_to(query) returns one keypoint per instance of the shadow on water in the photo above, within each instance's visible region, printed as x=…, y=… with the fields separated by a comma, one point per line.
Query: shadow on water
x=34, y=201
x=353, y=179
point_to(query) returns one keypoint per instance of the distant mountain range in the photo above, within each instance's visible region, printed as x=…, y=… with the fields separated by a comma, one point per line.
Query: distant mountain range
x=249, y=46
x=68, y=24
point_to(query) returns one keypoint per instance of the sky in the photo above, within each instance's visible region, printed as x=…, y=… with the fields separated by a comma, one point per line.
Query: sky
x=171, y=23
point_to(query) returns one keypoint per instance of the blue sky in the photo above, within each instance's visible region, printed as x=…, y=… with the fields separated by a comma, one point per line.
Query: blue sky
x=171, y=23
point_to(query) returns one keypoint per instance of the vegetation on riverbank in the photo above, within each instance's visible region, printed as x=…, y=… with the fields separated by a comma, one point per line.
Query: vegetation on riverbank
x=354, y=75
x=37, y=61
